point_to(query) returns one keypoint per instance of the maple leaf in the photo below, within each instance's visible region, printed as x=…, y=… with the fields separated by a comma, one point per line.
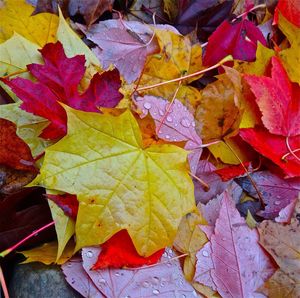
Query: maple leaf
x=78, y=279
x=68, y=203
x=283, y=243
x=15, y=54
x=218, y=113
x=22, y=212
x=234, y=255
x=47, y=254
x=238, y=39
x=290, y=56
x=189, y=239
x=205, y=16
x=174, y=123
x=119, y=251
x=278, y=100
x=58, y=80
x=125, y=45
x=277, y=193
x=147, y=191
x=274, y=147
x=14, y=152
x=290, y=10
x=178, y=56
x=16, y=16
x=163, y=280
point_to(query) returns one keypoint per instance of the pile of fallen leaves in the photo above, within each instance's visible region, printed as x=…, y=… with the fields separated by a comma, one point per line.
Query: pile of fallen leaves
x=160, y=138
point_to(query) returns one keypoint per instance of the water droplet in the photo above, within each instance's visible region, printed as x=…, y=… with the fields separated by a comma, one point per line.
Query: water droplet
x=169, y=119
x=167, y=137
x=139, y=98
x=169, y=264
x=146, y=284
x=155, y=292
x=156, y=280
x=277, y=203
x=185, y=122
x=117, y=274
x=89, y=254
x=195, y=293
x=69, y=265
x=102, y=281
x=127, y=296
x=193, y=124
x=175, y=124
x=160, y=131
x=162, y=284
x=183, y=296
x=154, y=113
x=205, y=253
x=174, y=139
x=147, y=105
x=161, y=112
x=278, y=197
x=223, y=238
x=165, y=254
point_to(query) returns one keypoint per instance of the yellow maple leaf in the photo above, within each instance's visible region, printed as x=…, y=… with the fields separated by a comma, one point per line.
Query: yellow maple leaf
x=15, y=16
x=47, y=253
x=119, y=184
x=291, y=56
x=178, y=57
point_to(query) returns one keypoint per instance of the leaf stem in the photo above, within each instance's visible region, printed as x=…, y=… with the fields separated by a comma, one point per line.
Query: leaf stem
x=248, y=174
x=3, y=284
x=203, y=183
x=290, y=150
x=15, y=73
x=226, y=59
x=12, y=248
x=246, y=12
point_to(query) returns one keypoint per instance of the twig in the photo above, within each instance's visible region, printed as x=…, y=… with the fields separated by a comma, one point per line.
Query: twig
x=203, y=183
x=290, y=149
x=12, y=248
x=248, y=174
x=3, y=284
x=226, y=59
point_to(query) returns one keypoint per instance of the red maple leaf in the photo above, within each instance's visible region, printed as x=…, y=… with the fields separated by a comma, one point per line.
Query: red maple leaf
x=238, y=39
x=67, y=202
x=14, y=152
x=277, y=99
x=275, y=148
x=119, y=252
x=290, y=10
x=57, y=81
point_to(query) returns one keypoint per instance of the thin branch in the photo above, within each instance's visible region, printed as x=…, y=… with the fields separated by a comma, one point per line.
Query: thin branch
x=203, y=183
x=290, y=149
x=226, y=59
x=248, y=174
x=3, y=284
x=12, y=248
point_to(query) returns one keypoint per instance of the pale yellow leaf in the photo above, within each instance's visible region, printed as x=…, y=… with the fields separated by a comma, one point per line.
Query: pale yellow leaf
x=15, y=16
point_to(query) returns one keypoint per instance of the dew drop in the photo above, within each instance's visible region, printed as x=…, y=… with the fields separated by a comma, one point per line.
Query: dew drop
x=169, y=119
x=175, y=124
x=183, y=296
x=205, y=253
x=147, y=105
x=160, y=131
x=155, y=280
x=127, y=296
x=193, y=124
x=117, y=274
x=223, y=238
x=154, y=113
x=69, y=265
x=155, y=292
x=161, y=112
x=102, y=281
x=162, y=284
x=139, y=98
x=278, y=197
x=146, y=284
x=167, y=137
x=277, y=203
x=89, y=254
x=185, y=122
x=195, y=293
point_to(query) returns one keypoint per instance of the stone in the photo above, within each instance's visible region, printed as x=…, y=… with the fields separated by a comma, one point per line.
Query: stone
x=36, y=280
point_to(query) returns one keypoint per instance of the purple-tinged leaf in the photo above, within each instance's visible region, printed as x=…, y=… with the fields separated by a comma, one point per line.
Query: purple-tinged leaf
x=163, y=280
x=276, y=192
x=79, y=280
x=286, y=213
x=241, y=266
x=173, y=123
